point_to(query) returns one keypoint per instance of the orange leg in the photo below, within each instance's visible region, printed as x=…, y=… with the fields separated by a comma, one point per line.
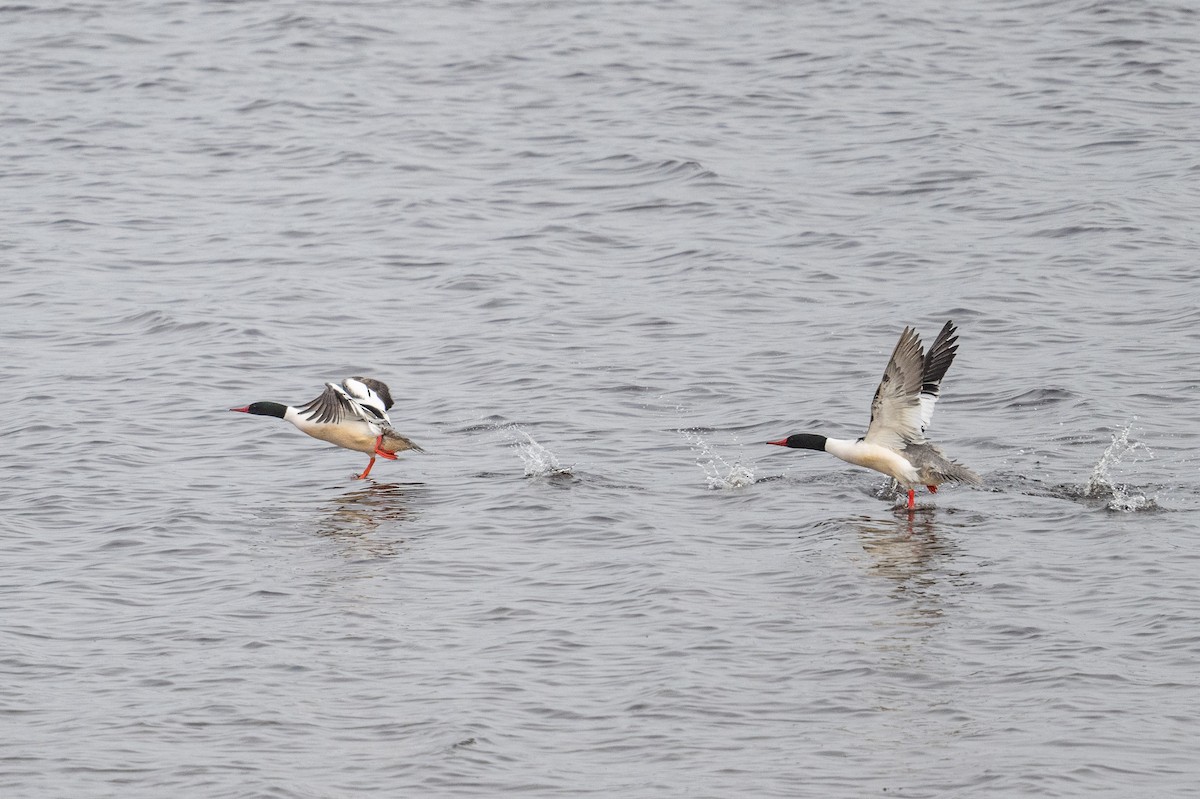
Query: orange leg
x=391, y=456
x=912, y=501
x=366, y=471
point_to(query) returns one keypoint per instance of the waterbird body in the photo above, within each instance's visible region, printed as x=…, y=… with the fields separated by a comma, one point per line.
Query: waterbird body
x=895, y=442
x=351, y=415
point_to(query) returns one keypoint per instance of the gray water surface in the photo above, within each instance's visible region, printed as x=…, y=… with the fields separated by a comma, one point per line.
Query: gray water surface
x=600, y=252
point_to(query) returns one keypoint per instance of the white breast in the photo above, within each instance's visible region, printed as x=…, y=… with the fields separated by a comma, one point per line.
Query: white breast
x=356, y=435
x=873, y=456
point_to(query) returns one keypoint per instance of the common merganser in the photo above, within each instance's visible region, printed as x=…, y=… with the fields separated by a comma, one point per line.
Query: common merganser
x=895, y=442
x=352, y=415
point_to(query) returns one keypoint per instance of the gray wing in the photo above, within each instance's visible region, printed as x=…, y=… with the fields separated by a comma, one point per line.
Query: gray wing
x=332, y=407
x=896, y=408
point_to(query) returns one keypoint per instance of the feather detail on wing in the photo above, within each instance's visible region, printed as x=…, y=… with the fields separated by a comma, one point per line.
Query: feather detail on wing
x=332, y=407
x=336, y=405
x=896, y=408
x=937, y=361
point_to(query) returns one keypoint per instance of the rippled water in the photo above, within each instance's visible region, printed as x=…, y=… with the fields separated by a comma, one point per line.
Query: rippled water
x=600, y=252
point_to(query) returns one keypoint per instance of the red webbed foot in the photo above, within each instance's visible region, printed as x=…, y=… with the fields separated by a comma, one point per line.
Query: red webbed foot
x=365, y=471
x=391, y=456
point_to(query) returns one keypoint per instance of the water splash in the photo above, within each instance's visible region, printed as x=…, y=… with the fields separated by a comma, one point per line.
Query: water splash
x=719, y=472
x=1102, y=485
x=538, y=460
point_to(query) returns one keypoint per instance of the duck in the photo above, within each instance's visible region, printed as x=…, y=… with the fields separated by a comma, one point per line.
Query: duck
x=352, y=415
x=895, y=442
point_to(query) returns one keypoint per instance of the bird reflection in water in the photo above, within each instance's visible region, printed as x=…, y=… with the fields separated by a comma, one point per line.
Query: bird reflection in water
x=353, y=517
x=907, y=551
x=907, y=554
x=908, y=644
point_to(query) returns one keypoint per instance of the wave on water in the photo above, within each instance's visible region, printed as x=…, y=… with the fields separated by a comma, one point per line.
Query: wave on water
x=719, y=472
x=1102, y=485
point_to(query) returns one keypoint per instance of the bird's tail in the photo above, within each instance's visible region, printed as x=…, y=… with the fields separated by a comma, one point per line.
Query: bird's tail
x=954, y=472
x=394, y=442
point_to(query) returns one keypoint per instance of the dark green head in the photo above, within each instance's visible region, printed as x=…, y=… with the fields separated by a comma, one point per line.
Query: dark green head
x=263, y=409
x=802, y=441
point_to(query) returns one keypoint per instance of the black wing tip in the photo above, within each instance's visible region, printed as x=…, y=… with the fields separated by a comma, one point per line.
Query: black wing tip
x=939, y=358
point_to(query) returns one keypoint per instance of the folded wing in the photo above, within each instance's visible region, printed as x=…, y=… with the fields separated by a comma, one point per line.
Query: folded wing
x=372, y=395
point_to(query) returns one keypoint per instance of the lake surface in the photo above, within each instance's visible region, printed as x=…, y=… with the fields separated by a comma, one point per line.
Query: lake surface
x=600, y=252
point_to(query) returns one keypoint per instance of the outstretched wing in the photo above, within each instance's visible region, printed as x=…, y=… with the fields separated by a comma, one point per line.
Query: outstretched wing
x=336, y=406
x=937, y=361
x=896, y=408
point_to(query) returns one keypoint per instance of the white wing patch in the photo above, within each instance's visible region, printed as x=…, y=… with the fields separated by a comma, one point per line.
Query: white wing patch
x=927, y=402
x=370, y=404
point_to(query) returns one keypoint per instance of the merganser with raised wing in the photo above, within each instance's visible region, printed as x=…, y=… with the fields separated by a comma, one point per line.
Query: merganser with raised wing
x=351, y=415
x=895, y=442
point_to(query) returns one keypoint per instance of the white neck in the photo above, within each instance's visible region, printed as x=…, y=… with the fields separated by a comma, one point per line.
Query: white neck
x=845, y=449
